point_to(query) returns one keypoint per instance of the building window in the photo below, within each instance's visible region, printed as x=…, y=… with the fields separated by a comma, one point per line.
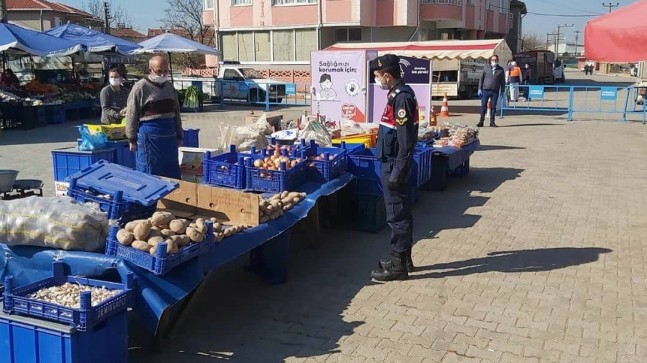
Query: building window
x=208, y=4
x=288, y=45
x=263, y=46
x=305, y=43
x=241, y=2
x=348, y=34
x=293, y=2
x=283, y=43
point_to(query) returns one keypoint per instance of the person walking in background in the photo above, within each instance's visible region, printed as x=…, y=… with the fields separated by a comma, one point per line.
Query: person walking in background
x=113, y=98
x=491, y=87
x=153, y=124
x=514, y=79
x=527, y=79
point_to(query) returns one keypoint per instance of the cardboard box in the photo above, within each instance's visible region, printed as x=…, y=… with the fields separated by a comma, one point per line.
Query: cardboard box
x=192, y=200
x=191, y=162
x=61, y=188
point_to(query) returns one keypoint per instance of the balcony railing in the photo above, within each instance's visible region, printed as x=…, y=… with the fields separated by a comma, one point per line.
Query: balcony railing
x=443, y=2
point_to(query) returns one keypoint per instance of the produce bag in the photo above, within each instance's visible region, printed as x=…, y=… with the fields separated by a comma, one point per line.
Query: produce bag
x=91, y=141
x=52, y=222
x=316, y=131
x=253, y=135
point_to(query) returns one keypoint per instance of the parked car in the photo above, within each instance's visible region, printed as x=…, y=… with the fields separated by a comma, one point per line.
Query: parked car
x=242, y=83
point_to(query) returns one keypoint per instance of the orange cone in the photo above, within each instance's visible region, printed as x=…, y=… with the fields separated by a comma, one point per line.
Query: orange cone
x=487, y=113
x=444, y=109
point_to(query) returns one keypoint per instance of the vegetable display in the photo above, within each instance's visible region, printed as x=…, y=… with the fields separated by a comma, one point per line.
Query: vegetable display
x=191, y=98
x=274, y=158
x=276, y=205
x=69, y=294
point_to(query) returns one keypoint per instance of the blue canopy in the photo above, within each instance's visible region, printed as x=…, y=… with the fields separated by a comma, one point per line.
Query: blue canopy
x=17, y=40
x=171, y=43
x=92, y=40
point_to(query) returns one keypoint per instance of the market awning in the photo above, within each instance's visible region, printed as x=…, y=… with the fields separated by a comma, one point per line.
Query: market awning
x=618, y=36
x=436, y=49
x=21, y=41
x=94, y=41
x=171, y=43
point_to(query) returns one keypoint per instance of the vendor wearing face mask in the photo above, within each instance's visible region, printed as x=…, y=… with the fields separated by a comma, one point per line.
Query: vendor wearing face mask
x=153, y=124
x=396, y=141
x=113, y=98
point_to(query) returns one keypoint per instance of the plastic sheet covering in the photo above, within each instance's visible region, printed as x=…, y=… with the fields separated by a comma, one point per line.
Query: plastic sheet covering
x=155, y=294
x=52, y=222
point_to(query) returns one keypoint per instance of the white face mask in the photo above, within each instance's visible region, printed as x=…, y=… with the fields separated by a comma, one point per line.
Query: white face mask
x=494, y=64
x=379, y=81
x=158, y=79
x=115, y=81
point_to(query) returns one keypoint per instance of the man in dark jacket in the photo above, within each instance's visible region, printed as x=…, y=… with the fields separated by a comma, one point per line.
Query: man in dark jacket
x=396, y=142
x=491, y=86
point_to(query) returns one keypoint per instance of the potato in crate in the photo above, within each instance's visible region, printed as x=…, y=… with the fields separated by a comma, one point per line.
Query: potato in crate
x=162, y=242
x=73, y=300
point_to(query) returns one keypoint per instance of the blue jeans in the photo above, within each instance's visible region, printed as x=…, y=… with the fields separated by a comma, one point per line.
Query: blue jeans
x=493, y=96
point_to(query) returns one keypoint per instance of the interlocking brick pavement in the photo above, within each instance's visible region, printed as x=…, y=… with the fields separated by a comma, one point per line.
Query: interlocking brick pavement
x=537, y=256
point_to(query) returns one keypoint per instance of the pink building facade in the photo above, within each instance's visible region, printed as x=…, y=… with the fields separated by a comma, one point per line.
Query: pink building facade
x=284, y=32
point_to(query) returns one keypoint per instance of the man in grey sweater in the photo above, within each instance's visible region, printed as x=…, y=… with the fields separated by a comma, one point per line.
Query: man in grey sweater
x=153, y=123
x=491, y=86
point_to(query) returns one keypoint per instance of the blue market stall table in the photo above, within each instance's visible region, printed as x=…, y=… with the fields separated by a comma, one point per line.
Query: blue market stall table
x=156, y=294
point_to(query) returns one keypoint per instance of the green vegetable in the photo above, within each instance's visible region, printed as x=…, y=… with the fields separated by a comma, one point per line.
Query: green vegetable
x=191, y=99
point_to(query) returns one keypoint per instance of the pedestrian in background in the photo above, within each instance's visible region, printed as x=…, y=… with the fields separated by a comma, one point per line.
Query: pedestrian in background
x=491, y=87
x=153, y=124
x=396, y=141
x=527, y=79
x=514, y=79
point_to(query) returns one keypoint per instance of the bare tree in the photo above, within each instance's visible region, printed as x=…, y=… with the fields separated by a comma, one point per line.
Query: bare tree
x=531, y=41
x=118, y=16
x=186, y=15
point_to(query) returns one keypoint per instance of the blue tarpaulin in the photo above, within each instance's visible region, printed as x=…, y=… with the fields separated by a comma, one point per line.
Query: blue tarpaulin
x=155, y=294
x=92, y=40
x=17, y=40
x=457, y=156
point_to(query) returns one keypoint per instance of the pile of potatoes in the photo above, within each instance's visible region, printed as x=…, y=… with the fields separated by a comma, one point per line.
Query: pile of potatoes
x=146, y=234
x=274, y=207
x=221, y=231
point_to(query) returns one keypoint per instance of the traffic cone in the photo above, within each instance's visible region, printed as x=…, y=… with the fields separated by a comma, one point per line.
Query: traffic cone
x=444, y=109
x=487, y=113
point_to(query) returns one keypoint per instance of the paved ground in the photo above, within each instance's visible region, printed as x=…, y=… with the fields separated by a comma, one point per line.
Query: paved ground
x=536, y=256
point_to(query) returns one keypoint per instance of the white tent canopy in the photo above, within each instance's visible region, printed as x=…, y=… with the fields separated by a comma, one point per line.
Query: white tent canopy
x=437, y=49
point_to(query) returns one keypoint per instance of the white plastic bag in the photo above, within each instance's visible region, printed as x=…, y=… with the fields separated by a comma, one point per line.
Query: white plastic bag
x=52, y=222
x=316, y=131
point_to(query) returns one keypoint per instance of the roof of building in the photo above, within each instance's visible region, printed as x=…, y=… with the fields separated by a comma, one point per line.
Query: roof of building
x=28, y=5
x=127, y=33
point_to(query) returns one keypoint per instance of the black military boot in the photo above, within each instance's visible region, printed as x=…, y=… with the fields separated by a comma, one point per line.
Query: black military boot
x=410, y=267
x=396, y=269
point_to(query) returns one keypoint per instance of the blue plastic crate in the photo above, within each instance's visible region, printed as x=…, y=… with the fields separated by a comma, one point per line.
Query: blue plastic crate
x=421, y=172
x=115, y=207
x=371, y=213
x=55, y=114
x=70, y=161
x=274, y=181
x=107, y=178
x=16, y=300
x=27, y=340
x=334, y=163
x=123, y=155
x=227, y=170
x=191, y=137
x=160, y=263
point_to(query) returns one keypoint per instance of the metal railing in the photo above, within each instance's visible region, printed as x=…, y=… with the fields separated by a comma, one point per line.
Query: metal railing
x=574, y=99
x=443, y=2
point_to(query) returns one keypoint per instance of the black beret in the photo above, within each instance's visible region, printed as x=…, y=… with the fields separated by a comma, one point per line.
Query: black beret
x=387, y=61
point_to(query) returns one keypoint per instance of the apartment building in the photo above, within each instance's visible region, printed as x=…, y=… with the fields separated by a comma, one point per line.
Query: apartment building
x=284, y=32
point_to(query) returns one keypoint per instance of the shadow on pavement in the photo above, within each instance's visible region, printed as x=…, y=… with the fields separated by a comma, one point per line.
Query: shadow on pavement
x=527, y=125
x=66, y=132
x=499, y=147
x=236, y=317
x=541, y=259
